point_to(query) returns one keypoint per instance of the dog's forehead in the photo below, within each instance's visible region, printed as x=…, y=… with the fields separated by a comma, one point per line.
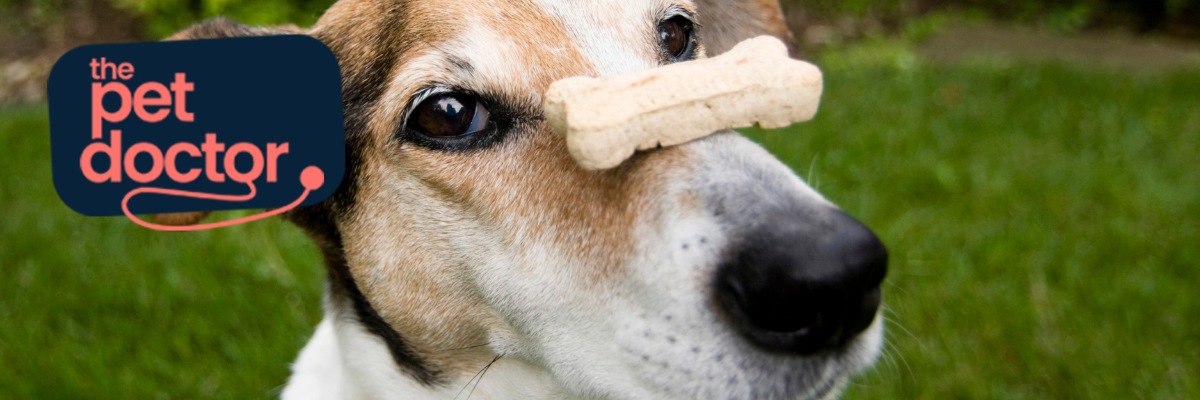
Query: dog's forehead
x=617, y=37
x=521, y=42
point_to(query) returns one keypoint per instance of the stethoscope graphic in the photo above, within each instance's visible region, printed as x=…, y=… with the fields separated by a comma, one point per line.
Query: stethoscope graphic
x=312, y=178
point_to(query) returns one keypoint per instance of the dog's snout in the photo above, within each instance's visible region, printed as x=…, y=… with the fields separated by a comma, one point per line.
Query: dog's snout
x=800, y=286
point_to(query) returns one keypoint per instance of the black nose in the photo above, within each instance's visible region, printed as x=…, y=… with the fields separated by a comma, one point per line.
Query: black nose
x=798, y=285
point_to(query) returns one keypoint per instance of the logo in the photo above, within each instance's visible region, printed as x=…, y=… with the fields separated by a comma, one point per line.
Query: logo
x=200, y=125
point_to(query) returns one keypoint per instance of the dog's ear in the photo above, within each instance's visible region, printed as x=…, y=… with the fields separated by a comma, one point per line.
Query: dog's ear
x=221, y=27
x=724, y=23
x=217, y=28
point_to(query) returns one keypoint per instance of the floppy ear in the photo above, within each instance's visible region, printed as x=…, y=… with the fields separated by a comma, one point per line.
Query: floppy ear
x=217, y=28
x=724, y=23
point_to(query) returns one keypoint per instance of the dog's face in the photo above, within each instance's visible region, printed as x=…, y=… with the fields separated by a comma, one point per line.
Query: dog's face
x=464, y=231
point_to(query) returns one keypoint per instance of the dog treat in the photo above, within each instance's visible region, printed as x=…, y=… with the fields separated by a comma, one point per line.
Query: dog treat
x=606, y=119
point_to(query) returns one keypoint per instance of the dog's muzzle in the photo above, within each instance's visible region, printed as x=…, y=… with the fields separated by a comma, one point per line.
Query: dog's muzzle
x=792, y=284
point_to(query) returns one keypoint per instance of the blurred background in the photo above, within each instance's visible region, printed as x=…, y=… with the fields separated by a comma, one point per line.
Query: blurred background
x=1033, y=166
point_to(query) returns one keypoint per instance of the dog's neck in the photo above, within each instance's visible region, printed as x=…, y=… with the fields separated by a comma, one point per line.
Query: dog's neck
x=345, y=361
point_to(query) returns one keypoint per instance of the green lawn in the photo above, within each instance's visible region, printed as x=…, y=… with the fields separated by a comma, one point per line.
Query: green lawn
x=1042, y=222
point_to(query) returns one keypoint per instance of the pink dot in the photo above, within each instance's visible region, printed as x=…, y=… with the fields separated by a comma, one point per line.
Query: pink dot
x=312, y=177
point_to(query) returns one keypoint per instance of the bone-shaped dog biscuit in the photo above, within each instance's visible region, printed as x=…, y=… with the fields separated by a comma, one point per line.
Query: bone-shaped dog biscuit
x=606, y=119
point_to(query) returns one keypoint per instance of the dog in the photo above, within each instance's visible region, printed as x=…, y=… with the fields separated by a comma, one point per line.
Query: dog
x=469, y=256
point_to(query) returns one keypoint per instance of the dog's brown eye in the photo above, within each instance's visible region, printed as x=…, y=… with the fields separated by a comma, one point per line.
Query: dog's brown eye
x=450, y=114
x=675, y=35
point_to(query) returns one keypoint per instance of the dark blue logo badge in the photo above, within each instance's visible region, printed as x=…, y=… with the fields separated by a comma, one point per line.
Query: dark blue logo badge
x=197, y=125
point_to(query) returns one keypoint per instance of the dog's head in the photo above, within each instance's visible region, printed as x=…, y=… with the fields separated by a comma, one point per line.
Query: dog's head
x=464, y=231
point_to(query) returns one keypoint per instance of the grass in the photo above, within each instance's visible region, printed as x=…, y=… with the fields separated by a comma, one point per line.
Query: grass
x=1042, y=222
x=100, y=308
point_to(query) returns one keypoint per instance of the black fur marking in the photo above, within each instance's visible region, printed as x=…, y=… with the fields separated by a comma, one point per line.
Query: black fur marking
x=361, y=89
x=342, y=288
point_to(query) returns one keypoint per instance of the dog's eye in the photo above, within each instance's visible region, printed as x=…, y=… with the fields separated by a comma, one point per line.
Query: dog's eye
x=449, y=115
x=675, y=35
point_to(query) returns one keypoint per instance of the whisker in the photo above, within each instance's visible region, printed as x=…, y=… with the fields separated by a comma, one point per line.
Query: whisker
x=889, y=356
x=477, y=375
x=898, y=287
x=896, y=322
x=812, y=166
x=900, y=355
x=482, y=373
